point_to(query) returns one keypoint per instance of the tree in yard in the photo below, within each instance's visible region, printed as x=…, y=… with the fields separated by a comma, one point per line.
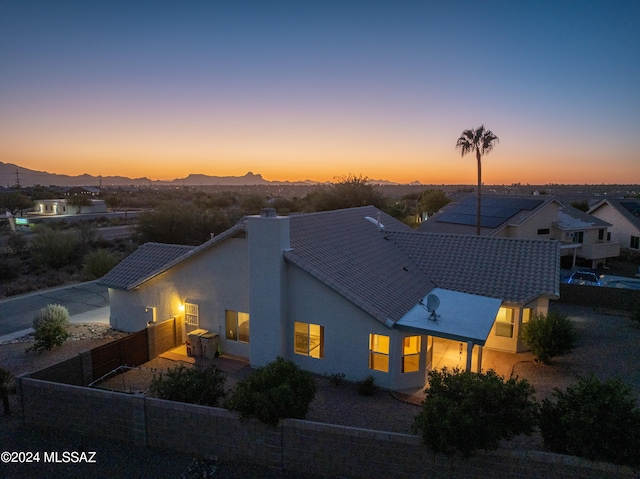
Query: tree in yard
x=549, y=335
x=50, y=326
x=98, y=263
x=467, y=411
x=79, y=202
x=480, y=141
x=599, y=420
x=190, y=385
x=276, y=391
x=6, y=386
x=432, y=201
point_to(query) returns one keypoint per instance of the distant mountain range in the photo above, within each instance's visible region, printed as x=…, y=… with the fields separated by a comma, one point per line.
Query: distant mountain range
x=11, y=175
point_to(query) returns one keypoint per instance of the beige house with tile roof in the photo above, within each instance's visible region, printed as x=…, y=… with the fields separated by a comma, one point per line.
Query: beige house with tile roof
x=624, y=216
x=346, y=291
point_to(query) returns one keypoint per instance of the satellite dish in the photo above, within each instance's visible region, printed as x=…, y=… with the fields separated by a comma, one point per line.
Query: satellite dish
x=433, y=302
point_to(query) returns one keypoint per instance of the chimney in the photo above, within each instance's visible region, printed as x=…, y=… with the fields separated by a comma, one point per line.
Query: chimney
x=268, y=238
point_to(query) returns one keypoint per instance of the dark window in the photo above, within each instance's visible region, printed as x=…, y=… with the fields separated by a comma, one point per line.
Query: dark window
x=600, y=235
x=635, y=242
x=543, y=231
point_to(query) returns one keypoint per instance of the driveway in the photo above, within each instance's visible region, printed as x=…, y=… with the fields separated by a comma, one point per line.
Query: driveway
x=86, y=302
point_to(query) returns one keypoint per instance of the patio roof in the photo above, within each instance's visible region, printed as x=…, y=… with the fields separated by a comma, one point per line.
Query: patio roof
x=460, y=317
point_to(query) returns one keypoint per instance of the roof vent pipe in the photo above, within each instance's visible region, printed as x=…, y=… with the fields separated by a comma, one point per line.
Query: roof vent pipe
x=268, y=213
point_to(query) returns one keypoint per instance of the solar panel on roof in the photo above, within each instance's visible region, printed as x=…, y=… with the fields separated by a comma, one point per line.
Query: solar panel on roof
x=494, y=211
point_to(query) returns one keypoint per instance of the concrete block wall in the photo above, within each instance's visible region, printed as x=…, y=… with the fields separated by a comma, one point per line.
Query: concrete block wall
x=296, y=445
x=599, y=297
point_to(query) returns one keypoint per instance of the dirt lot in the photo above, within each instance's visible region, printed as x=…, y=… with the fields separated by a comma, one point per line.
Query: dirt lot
x=607, y=347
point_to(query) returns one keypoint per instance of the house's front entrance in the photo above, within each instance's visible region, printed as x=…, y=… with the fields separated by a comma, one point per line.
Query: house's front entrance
x=443, y=353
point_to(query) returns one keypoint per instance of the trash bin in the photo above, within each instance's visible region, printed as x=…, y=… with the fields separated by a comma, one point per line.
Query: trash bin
x=195, y=342
x=209, y=343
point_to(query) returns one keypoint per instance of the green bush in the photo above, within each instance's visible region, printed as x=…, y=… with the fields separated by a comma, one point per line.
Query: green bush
x=53, y=249
x=99, y=263
x=50, y=326
x=549, y=335
x=595, y=419
x=276, y=391
x=190, y=385
x=467, y=411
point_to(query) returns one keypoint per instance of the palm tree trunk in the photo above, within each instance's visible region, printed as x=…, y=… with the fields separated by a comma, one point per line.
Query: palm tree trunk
x=478, y=214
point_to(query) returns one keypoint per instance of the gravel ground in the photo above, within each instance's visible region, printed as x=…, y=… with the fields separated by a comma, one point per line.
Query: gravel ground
x=607, y=347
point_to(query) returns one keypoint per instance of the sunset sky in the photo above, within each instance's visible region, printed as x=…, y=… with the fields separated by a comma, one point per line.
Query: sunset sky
x=298, y=90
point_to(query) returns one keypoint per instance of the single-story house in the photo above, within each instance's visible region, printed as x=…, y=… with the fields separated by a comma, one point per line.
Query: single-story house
x=62, y=207
x=536, y=217
x=624, y=216
x=350, y=291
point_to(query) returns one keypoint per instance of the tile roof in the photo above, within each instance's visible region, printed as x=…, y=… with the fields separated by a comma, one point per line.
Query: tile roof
x=629, y=208
x=152, y=259
x=516, y=270
x=498, y=211
x=351, y=255
x=145, y=262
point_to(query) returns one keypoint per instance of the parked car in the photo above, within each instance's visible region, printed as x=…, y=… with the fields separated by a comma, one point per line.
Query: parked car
x=584, y=277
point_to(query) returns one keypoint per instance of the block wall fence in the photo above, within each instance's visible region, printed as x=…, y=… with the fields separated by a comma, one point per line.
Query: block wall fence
x=294, y=445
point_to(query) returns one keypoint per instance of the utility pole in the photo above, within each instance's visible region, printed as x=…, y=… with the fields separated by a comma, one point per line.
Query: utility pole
x=17, y=179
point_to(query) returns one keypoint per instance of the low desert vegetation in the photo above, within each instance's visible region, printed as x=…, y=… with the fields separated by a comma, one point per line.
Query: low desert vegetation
x=467, y=411
x=549, y=335
x=595, y=419
x=50, y=326
x=276, y=391
x=191, y=385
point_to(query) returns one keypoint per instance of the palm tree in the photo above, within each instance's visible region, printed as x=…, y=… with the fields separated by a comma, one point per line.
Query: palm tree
x=481, y=141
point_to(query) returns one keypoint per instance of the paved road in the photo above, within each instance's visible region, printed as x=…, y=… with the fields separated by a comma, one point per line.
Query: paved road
x=82, y=300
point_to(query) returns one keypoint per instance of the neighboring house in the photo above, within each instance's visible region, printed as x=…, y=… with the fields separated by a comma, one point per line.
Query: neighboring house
x=344, y=291
x=584, y=236
x=534, y=217
x=60, y=207
x=624, y=216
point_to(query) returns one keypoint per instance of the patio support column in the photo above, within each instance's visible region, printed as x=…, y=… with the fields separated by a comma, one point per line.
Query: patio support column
x=469, y=354
x=479, y=363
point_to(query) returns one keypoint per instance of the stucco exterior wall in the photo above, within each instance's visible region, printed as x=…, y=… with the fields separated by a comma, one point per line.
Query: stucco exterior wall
x=346, y=334
x=621, y=229
x=542, y=219
x=216, y=280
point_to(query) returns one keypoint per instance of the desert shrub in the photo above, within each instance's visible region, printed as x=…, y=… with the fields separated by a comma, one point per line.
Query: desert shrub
x=276, y=391
x=595, y=419
x=367, y=387
x=466, y=411
x=18, y=244
x=549, y=335
x=190, y=385
x=9, y=269
x=50, y=326
x=52, y=248
x=99, y=263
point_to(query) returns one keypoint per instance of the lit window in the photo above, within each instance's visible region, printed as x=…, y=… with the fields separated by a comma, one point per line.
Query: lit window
x=411, y=354
x=191, y=316
x=526, y=315
x=504, y=323
x=237, y=326
x=309, y=340
x=379, y=352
